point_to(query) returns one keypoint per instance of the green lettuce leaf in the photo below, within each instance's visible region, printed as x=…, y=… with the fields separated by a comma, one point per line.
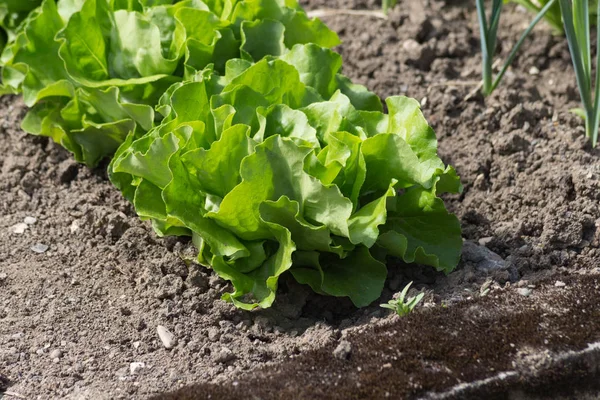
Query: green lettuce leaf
x=272, y=168
x=127, y=53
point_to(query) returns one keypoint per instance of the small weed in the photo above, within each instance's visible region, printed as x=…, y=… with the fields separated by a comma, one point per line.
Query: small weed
x=403, y=306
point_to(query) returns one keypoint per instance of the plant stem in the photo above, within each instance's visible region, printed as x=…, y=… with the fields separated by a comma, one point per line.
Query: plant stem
x=520, y=42
x=575, y=15
x=489, y=33
x=593, y=133
x=485, y=54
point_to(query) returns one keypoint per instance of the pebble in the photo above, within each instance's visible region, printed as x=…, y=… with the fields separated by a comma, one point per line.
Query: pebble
x=30, y=220
x=56, y=353
x=166, y=337
x=74, y=226
x=524, y=292
x=343, y=350
x=534, y=71
x=560, y=284
x=20, y=228
x=483, y=258
x=136, y=367
x=3, y=276
x=485, y=240
x=224, y=355
x=39, y=248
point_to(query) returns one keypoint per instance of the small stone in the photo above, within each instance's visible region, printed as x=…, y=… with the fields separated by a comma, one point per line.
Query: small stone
x=166, y=337
x=343, y=350
x=136, y=367
x=39, y=248
x=485, y=240
x=74, y=226
x=525, y=292
x=3, y=276
x=19, y=228
x=56, y=353
x=224, y=355
x=484, y=259
x=136, y=345
x=30, y=220
x=480, y=183
x=560, y=284
x=534, y=71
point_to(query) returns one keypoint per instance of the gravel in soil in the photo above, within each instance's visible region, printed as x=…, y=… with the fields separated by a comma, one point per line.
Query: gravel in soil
x=84, y=285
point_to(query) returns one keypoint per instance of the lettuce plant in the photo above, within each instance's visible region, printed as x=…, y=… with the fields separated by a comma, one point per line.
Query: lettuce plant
x=106, y=63
x=284, y=165
x=12, y=14
x=233, y=125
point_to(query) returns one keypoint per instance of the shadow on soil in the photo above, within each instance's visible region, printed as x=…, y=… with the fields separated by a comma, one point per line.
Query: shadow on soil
x=502, y=346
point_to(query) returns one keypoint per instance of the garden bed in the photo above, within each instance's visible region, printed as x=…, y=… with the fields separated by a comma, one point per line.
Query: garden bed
x=84, y=287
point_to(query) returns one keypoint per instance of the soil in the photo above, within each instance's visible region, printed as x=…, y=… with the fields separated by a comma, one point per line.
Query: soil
x=471, y=344
x=76, y=314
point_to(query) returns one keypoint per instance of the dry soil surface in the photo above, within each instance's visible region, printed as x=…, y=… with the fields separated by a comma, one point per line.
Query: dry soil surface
x=84, y=285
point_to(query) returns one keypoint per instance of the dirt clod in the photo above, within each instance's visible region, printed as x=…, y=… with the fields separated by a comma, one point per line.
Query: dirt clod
x=343, y=350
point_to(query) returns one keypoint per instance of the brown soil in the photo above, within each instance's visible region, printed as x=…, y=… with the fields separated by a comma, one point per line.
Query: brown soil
x=74, y=317
x=500, y=335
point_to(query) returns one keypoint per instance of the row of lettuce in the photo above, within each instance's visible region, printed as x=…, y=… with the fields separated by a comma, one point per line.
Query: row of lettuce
x=229, y=121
